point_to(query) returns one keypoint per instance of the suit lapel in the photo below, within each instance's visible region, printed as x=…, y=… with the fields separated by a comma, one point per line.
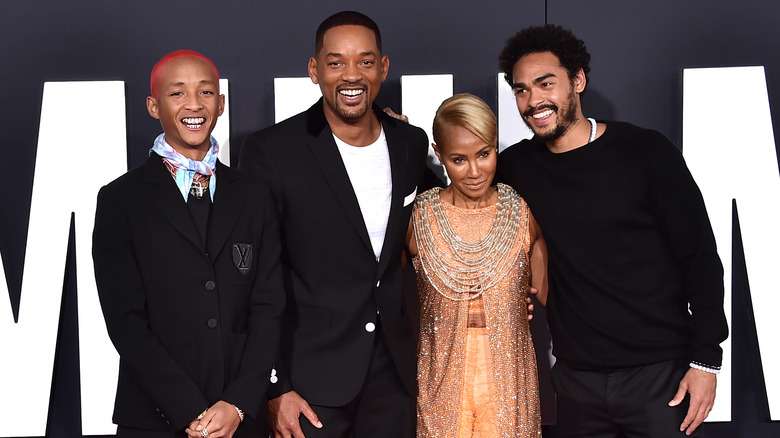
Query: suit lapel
x=166, y=198
x=227, y=204
x=327, y=154
x=398, y=168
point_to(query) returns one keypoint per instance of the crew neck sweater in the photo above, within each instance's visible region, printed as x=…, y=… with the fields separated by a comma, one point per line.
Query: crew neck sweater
x=634, y=274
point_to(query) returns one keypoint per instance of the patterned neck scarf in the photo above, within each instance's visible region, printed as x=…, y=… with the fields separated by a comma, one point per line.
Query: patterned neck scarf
x=186, y=168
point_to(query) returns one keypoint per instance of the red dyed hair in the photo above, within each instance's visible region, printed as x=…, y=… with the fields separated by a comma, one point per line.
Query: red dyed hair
x=155, y=78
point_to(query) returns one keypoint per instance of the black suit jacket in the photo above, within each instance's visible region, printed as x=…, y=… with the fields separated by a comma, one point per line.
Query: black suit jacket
x=334, y=282
x=193, y=323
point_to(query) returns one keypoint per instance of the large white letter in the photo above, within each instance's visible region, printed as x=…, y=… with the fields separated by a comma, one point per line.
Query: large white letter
x=293, y=95
x=81, y=146
x=221, y=131
x=421, y=96
x=511, y=127
x=731, y=162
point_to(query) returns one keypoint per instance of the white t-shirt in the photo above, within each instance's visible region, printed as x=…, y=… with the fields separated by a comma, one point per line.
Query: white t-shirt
x=368, y=168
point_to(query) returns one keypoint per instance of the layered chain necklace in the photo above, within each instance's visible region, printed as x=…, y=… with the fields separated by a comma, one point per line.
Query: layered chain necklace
x=467, y=268
x=200, y=182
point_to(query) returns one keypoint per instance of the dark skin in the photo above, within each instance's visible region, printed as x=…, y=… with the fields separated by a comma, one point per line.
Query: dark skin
x=189, y=89
x=540, y=81
x=471, y=165
x=220, y=420
x=349, y=68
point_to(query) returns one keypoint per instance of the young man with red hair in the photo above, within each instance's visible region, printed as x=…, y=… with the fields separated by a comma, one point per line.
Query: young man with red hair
x=186, y=255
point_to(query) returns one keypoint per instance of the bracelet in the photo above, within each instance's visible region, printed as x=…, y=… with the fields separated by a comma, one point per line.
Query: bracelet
x=240, y=414
x=706, y=368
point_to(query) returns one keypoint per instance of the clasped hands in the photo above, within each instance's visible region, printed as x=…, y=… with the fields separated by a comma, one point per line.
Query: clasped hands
x=219, y=421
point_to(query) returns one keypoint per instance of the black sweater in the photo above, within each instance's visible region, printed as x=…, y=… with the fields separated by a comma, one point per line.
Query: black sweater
x=630, y=249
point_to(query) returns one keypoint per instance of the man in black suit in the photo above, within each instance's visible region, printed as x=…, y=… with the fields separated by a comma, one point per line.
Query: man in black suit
x=344, y=176
x=188, y=273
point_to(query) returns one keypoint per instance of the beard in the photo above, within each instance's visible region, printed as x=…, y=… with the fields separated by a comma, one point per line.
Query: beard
x=567, y=116
x=353, y=112
x=349, y=113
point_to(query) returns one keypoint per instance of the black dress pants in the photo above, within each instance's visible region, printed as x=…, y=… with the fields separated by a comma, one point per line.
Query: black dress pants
x=622, y=403
x=382, y=408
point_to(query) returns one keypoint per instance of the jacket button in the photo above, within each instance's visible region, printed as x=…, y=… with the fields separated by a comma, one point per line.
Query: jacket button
x=212, y=323
x=377, y=283
x=210, y=285
x=370, y=327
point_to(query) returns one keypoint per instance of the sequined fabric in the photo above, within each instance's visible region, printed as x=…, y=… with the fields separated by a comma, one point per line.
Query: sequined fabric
x=478, y=407
x=444, y=320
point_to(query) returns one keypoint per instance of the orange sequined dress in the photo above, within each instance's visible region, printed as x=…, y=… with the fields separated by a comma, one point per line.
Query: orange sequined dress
x=492, y=278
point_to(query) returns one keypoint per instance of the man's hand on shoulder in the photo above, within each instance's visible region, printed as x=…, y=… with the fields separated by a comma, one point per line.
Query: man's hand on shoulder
x=284, y=417
x=701, y=386
x=395, y=115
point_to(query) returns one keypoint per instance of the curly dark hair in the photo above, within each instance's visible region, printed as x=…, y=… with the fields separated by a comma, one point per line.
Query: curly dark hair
x=570, y=50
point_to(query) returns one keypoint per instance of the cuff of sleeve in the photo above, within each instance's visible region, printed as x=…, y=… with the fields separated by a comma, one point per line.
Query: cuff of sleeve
x=279, y=385
x=706, y=354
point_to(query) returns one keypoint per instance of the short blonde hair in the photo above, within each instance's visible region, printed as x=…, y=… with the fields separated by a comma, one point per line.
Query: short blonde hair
x=467, y=111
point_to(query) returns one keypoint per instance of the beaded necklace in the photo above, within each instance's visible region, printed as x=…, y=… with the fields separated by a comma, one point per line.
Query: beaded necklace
x=469, y=267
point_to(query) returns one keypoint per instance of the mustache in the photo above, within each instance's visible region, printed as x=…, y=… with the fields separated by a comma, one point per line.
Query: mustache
x=530, y=111
x=352, y=86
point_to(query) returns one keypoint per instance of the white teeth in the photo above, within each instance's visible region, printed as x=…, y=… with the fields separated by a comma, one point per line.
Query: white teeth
x=543, y=114
x=351, y=93
x=194, y=122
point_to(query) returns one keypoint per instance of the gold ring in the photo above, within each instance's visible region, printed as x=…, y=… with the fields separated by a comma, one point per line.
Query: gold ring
x=202, y=414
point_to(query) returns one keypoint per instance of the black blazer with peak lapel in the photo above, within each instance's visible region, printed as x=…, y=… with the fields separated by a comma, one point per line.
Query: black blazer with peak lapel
x=335, y=284
x=193, y=323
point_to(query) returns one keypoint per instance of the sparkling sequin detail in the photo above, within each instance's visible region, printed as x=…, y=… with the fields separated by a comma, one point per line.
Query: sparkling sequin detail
x=450, y=286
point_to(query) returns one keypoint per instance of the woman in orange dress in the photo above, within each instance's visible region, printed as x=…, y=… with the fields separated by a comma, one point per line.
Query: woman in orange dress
x=476, y=249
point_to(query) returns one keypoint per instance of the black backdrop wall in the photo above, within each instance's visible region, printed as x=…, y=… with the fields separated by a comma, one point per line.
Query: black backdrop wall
x=639, y=49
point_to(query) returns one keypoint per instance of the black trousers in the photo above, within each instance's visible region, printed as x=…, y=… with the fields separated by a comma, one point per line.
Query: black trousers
x=382, y=408
x=623, y=403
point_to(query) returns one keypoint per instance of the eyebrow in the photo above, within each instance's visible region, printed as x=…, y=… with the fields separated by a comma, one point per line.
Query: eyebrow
x=486, y=148
x=536, y=81
x=203, y=81
x=336, y=54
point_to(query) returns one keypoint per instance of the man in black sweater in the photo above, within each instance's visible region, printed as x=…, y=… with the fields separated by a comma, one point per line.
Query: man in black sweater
x=636, y=285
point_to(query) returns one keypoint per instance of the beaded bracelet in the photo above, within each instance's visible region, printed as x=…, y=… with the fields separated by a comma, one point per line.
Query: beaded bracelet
x=706, y=368
x=240, y=414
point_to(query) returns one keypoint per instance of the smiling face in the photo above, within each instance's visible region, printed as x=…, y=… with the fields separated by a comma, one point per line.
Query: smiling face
x=470, y=163
x=548, y=100
x=188, y=104
x=349, y=69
